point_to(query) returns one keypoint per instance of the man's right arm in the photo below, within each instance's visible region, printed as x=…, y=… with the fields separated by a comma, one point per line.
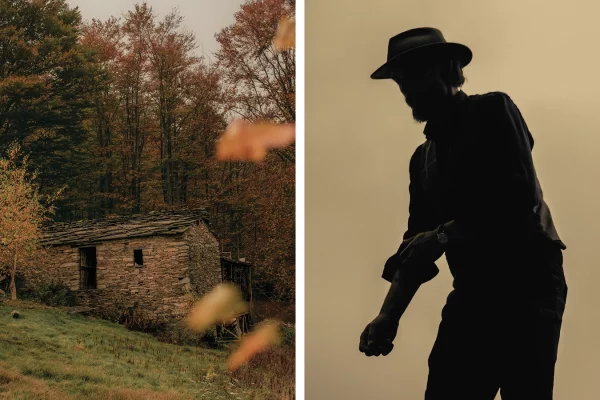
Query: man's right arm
x=377, y=337
x=419, y=220
x=406, y=281
x=401, y=293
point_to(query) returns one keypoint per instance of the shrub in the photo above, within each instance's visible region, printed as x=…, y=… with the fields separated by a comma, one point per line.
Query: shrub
x=111, y=312
x=178, y=333
x=288, y=335
x=24, y=291
x=136, y=319
x=54, y=294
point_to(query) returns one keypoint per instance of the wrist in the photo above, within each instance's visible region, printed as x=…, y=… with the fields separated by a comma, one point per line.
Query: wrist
x=450, y=229
x=390, y=315
x=442, y=235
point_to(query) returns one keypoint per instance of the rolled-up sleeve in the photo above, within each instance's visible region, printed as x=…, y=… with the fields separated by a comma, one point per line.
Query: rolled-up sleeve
x=419, y=220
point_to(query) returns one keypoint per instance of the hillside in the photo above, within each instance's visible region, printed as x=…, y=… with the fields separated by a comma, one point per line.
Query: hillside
x=50, y=354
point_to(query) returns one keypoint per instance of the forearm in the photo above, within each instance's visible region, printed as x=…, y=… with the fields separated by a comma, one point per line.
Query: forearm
x=401, y=293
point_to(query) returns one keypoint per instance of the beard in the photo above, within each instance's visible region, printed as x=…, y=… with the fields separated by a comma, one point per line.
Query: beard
x=421, y=114
x=425, y=107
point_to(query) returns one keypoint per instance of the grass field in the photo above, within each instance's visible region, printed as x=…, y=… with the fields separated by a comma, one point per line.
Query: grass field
x=50, y=354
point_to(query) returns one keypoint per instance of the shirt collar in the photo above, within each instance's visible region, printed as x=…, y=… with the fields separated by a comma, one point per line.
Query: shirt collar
x=441, y=127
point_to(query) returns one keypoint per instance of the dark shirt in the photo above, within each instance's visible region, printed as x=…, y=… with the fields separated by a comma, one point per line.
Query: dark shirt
x=475, y=171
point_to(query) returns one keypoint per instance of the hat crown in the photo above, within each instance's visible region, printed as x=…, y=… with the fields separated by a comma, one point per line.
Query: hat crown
x=412, y=39
x=420, y=44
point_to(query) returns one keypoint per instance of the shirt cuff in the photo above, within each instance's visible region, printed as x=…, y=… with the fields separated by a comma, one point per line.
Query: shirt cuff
x=419, y=273
x=454, y=232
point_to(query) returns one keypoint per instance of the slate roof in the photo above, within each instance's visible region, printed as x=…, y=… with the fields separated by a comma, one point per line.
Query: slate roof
x=89, y=232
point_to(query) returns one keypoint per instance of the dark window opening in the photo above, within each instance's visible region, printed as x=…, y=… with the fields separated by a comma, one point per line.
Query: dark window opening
x=138, y=258
x=87, y=268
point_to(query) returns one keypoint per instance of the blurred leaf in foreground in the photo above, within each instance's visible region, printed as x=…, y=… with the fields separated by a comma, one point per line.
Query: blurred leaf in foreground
x=250, y=141
x=222, y=303
x=266, y=335
x=285, y=37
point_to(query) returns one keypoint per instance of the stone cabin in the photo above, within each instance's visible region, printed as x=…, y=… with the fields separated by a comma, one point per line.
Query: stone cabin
x=157, y=261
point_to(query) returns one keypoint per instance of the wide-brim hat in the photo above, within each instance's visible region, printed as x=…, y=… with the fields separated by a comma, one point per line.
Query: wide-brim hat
x=417, y=43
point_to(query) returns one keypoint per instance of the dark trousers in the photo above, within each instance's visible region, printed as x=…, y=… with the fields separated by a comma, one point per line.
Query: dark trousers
x=501, y=337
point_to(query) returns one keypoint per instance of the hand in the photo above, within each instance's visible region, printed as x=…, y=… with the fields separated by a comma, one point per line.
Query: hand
x=423, y=248
x=378, y=336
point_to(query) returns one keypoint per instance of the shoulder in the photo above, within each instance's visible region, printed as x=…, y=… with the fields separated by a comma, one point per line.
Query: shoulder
x=500, y=114
x=494, y=103
x=498, y=111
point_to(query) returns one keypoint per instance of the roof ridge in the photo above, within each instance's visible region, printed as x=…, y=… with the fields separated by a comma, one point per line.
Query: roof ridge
x=154, y=223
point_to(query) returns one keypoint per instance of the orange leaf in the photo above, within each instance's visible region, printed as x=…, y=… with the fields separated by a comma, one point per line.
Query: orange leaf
x=245, y=141
x=285, y=37
x=266, y=335
x=222, y=303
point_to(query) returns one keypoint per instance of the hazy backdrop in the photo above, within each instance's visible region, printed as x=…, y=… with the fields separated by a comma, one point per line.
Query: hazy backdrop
x=359, y=139
x=203, y=17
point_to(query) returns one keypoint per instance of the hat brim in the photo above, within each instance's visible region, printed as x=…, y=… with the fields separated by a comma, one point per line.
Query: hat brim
x=457, y=51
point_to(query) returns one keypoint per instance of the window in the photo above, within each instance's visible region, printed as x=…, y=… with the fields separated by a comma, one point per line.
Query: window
x=138, y=258
x=87, y=268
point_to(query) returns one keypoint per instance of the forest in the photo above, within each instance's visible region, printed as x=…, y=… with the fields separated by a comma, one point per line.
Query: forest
x=123, y=116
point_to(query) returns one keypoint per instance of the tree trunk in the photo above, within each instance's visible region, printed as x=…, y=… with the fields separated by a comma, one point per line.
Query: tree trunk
x=13, y=272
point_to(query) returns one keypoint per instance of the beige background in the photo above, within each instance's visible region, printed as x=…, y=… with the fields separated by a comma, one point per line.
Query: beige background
x=360, y=136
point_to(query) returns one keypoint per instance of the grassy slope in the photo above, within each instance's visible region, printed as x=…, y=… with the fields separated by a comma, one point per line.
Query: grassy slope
x=49, y=354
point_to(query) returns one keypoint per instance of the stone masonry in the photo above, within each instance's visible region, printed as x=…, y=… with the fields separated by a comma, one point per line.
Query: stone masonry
x=178, y=264
x=205, y=257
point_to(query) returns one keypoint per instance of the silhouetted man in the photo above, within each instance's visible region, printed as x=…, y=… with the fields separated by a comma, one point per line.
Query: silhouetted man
x=475, y=196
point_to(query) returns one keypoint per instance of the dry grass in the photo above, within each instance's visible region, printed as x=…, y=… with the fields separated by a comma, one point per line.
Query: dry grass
x=49, y=354
x=15, y=386
x=273, y=370
x=141, y=394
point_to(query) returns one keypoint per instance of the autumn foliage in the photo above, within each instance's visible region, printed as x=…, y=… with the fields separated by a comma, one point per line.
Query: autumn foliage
x=22, y=212
x=125, y=116
x=259, y=77
x=262, y=78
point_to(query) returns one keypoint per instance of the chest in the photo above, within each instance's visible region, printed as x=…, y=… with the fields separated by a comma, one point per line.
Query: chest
x=447, y=170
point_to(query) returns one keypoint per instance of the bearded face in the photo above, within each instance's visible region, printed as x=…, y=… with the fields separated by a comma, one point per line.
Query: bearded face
x=423, y=88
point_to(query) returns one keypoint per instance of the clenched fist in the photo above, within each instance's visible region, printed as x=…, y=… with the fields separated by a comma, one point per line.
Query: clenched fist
x=378, y=336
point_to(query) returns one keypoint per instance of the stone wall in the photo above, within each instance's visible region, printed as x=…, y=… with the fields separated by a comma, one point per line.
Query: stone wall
x=205, y=259
x=173, y=268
